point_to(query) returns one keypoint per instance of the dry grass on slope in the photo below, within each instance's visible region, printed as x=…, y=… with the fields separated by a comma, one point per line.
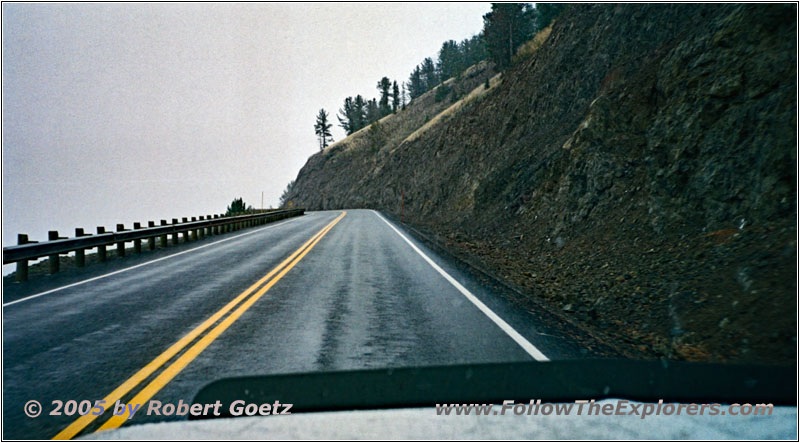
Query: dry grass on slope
x=525, y=51
x=422, y=111
x=452, y=110
x=531, y=46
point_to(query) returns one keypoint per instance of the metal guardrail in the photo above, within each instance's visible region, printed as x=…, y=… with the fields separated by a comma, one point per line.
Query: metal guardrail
x=188, y=230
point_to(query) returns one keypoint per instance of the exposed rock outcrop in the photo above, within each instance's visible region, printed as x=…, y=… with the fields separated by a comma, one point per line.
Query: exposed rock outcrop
x=639, y=167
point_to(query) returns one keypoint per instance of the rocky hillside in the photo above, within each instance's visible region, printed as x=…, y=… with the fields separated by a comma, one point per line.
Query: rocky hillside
x=636, y=174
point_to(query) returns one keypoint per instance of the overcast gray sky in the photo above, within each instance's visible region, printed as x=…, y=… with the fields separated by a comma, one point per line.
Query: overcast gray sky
x=129, y=112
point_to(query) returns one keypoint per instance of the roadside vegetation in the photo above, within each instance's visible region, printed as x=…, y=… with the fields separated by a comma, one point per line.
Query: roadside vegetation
x=284, y=201
x=511, y=32
x=238, y=207
x=507, y=27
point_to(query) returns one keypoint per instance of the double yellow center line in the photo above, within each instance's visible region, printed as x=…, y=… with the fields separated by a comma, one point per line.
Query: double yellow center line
x=177, y=366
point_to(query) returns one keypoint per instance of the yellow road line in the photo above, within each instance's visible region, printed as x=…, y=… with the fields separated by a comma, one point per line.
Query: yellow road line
x=177, y=366
x=78, y=425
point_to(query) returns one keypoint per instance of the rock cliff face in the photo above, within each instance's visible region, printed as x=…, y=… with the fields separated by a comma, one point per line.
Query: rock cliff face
x=637, y=173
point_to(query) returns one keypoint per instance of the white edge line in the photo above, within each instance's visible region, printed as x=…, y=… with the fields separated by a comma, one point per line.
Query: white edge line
x=30, y=297
x=516, y=336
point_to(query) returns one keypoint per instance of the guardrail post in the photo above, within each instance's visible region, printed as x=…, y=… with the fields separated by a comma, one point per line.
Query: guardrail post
x=22, y=265
x=121, y=244
x=185, y=233
x=151, y=242
x=101, y=250
x=80, y=253
x=137, y=244
x=202, y=231
x=53, y=260
x=164, y=237
x=196, y=234
x=175, y=234
x=215, y=229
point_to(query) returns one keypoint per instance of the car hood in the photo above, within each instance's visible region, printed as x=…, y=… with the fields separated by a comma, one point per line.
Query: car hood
x=424, y=423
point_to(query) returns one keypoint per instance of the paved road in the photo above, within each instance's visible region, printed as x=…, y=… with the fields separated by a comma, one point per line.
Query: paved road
x=342, y=291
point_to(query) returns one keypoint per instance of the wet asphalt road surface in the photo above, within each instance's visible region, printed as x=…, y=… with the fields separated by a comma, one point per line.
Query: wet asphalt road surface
x=362, y=297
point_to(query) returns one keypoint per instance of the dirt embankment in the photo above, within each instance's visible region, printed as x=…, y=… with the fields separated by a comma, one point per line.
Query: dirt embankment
x=637, y=173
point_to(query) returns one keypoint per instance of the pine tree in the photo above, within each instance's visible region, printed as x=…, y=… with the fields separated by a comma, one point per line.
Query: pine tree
x=416, y=85
x=373, y=113
x=546, y=12
x=359, y=113
x=323, y=129
x=403, y=96
x=505, y=28
x=352, y=116
x=395, y=96
x=384, y=87
x=237, y=206
x=346, y=117
x=451, y=60
x=473, y=50
x=430, y=76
